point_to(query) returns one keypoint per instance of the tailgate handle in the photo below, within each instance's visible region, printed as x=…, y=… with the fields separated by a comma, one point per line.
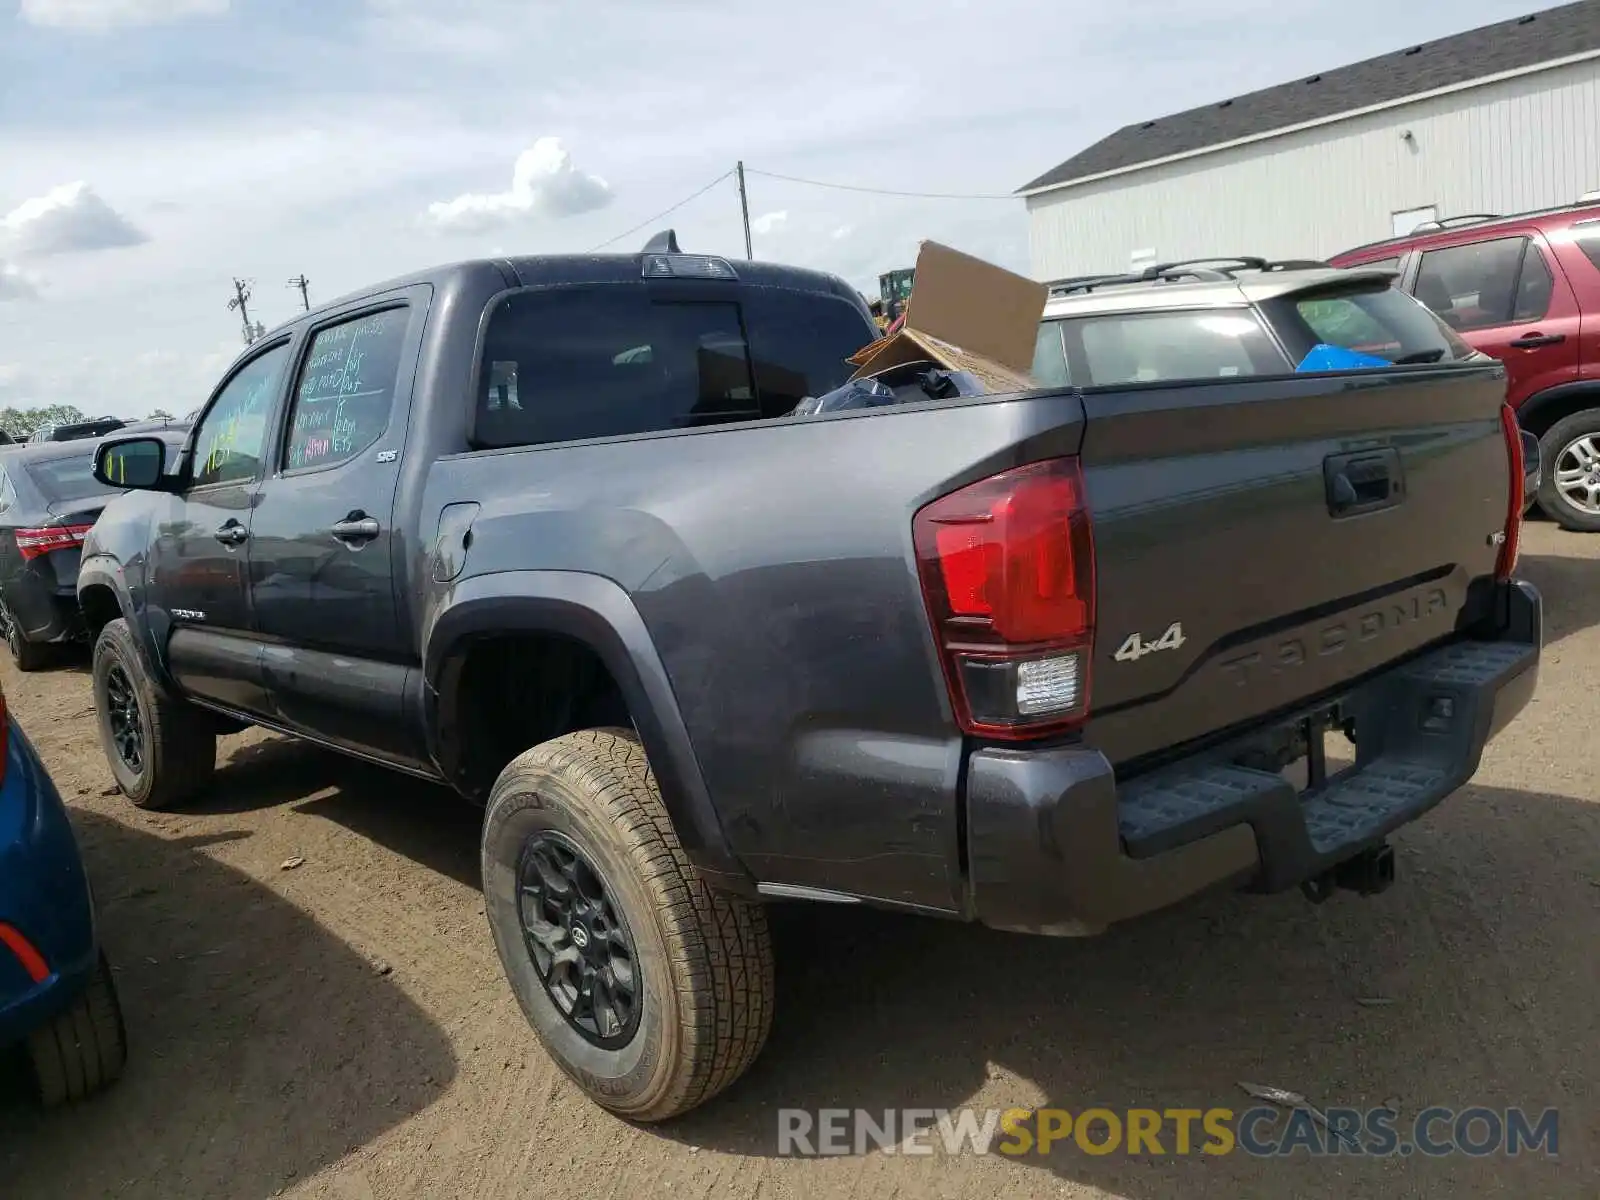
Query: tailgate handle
x=1363, y=482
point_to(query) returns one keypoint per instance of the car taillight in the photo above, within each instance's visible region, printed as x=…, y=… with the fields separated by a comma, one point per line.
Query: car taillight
x=1511, y=537
x=1007, y=568
x=23, y=951
x=34, y=542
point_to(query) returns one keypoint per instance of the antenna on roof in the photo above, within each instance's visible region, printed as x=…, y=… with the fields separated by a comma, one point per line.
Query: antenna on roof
x=665, y=242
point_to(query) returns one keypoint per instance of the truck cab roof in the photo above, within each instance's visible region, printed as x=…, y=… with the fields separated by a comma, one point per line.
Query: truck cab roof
x=544, y=270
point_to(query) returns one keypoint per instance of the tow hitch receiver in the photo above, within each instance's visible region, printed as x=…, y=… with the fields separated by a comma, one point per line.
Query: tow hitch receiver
x=1367, y=874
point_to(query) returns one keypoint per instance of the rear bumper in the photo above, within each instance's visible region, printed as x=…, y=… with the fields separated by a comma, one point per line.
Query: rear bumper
x=47, y=611
x=1055, y=845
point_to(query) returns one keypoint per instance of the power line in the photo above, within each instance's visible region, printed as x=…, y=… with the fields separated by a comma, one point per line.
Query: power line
x=659, y=215
x=301, y=282
x=850, y=187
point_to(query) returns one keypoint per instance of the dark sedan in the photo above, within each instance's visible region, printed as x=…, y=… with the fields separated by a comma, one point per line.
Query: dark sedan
x=48, y=500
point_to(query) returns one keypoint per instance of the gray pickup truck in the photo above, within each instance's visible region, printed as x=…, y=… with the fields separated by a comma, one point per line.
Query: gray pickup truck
x=547, y=530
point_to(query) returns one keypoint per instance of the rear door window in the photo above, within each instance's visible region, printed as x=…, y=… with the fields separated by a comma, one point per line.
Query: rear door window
x=1481, y=284
x=346, y=390
x=1117, y=348
x=1381, y=322
x=562, y=364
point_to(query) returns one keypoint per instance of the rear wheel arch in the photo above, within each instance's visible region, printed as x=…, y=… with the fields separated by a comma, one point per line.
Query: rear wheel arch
x=586, y=629
x=1543, y=409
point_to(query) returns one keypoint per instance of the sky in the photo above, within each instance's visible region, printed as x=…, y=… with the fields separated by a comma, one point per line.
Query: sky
x=153, y=150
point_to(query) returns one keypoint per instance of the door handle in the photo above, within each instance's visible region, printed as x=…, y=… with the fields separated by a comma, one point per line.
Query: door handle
x=1530, y=340
x=355, y=529
x=231, y=533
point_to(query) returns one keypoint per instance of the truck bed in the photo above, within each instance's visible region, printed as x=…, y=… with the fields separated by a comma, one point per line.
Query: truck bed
x=772, y=565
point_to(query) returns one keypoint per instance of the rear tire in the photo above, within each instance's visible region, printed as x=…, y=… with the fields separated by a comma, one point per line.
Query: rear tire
x=83, y=1049
x=28, y=656
x=698, y=961
x=1571, y=444
x=161, y=751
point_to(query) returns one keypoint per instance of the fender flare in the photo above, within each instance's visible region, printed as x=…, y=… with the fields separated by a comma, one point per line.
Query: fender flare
x=102, y=570
x=1550, y=396
x=597, y=612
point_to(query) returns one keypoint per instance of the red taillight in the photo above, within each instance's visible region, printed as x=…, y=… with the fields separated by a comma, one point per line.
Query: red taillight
x=34, y=542
x=32, y=961
x=1511, y=541
x=1007, y=568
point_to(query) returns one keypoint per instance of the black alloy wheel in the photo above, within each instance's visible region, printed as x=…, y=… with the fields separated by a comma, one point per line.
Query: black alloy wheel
x=581, y=946
x=122, y=710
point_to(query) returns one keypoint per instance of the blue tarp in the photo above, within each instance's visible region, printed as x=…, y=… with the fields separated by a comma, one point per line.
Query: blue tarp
x=1324, y=357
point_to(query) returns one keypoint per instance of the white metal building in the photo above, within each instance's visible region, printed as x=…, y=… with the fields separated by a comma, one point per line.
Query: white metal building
x=1500, y=119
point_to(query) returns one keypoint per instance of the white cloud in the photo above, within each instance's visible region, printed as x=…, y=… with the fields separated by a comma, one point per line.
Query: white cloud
x=544, y=183
x=767, y=222
x=98, y=16
x=15, y=284
x=66, y=219
x=842, y=232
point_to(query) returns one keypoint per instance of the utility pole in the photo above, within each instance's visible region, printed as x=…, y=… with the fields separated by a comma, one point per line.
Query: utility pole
x=744, y=207
x=241, y=297
x=301, y=282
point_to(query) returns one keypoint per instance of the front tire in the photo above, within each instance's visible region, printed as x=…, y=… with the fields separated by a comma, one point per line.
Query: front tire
x=1569, y=490
x=161, y=751
x=650, y=989
x=84, y=1049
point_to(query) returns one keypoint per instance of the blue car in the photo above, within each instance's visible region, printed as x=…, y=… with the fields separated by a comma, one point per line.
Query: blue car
x=57, y=999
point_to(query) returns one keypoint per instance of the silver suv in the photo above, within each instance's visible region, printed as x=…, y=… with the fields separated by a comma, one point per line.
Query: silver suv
x=1227, y=317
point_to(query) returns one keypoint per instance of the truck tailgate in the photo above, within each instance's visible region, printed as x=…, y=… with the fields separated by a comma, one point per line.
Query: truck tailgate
x=1259, y=543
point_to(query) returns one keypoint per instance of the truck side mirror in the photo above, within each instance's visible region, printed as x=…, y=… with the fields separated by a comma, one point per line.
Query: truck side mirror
x=131, y=463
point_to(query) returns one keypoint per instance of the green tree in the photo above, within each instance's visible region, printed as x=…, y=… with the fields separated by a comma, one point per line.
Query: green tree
x=21, y=422
x=159, y=414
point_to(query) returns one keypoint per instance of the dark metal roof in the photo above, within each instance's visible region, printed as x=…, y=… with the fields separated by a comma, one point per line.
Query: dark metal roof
x=1505, y=46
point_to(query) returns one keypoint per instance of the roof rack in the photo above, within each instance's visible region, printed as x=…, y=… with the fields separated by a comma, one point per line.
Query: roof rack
x=1472, y=219
x=1199, y=270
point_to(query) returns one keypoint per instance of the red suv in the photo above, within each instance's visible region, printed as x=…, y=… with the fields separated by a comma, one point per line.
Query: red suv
x=1525, y=289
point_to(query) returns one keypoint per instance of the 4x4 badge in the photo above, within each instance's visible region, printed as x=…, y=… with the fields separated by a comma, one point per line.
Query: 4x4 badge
x=1136, y=647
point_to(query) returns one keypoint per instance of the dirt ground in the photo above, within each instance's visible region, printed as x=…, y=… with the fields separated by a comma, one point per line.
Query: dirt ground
x=341, y=1029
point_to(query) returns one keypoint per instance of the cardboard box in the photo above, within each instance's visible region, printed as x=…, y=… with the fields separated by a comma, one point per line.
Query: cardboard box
x=966, y=315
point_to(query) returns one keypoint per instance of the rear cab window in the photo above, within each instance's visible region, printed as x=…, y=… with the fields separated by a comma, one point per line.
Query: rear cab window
x=1372, y=319
x=1107, y=349
x=610, y=360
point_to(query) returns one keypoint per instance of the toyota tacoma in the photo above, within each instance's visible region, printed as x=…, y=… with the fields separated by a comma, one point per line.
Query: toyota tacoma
x=549, y=531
